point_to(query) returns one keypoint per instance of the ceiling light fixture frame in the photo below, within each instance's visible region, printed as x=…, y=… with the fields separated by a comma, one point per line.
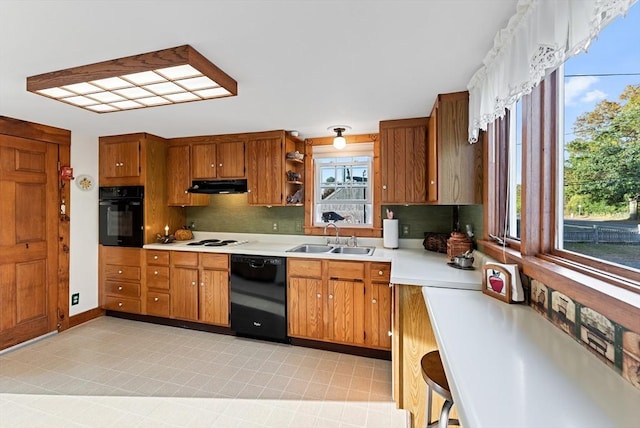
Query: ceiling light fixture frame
x=177, y=75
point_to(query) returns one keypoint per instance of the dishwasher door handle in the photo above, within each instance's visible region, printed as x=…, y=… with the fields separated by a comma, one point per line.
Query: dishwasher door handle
x=253, y=264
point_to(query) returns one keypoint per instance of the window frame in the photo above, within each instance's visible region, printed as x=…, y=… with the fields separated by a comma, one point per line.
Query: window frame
x=601, y=285
x=373, y=231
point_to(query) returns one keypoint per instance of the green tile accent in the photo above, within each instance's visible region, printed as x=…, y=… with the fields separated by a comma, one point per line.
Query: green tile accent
x=421, y=218
x=232, y=213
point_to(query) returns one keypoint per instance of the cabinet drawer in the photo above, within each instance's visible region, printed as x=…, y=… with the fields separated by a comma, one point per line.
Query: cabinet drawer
x=158, y=277
x=380, y=272
x=215, y=261
x=122, y=273
x=157, y=257
x=158, y=304
x=124, y=289
x=346, y=270
x=181, y=258
x=120, y=255
x=115, y=303
x=304, y=268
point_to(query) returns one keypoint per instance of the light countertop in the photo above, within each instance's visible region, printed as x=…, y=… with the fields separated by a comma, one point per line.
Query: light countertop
x=507, y=366
x=411, y=264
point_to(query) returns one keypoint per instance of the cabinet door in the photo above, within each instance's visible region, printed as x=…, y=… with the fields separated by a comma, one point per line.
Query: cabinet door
x=432, y=158
x=184, y=293
x=265, y=176
x=231, y=160
x=203, y=161
x=403, y=160
x=377, y=315
x=120, y=159
x=179, y=180
x=345, y=304
x=304, y=305
x=214, y=297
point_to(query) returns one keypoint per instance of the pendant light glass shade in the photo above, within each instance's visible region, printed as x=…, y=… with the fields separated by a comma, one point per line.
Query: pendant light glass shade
x=339, y=141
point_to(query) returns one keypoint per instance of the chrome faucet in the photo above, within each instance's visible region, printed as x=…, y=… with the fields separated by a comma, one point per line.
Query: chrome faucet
x=337, y=232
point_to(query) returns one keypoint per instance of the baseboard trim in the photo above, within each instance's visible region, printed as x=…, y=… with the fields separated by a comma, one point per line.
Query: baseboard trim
x=379, y=354
x=83, y=317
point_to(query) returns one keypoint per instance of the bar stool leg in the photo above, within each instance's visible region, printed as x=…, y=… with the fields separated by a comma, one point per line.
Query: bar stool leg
x=429, y=402
x=443, y=422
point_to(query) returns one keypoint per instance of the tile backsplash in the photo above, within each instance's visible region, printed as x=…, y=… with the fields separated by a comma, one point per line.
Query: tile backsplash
x=232, y=213
x=615, y=345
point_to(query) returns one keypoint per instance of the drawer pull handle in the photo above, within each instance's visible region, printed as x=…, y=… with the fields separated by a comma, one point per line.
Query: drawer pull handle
x=330, y=296
x=193, y=283
x=119, y=288
x=155, y=299
x=318, y=295
x=202, y=284
x=389, y=334
x=380, y=272
x=119, y=271
x=120, y=304
x=155, y=257
x=257, y=324
x=155, y=272
x=374, y=301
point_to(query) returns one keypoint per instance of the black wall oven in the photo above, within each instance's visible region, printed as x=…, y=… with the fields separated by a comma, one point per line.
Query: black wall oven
x=121, y=216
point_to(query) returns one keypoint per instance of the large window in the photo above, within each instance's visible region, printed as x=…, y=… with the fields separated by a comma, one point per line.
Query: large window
x=577, y=136
x=343, y=185
x=599, y=143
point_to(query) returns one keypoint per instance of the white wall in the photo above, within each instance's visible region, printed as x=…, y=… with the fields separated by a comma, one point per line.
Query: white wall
x=83, y=275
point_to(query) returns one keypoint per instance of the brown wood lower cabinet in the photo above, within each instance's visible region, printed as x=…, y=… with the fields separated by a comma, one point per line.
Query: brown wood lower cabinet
x=120, y=279
x=336, y=301
x=412, y=338
x=156, y=283
x=200, y=287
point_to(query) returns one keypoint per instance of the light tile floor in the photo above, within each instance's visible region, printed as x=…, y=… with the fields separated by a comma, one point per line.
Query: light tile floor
x=115, y=372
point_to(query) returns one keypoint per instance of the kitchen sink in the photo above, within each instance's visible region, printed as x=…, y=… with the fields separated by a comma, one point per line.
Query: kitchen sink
x=331, y=249
x=310, y=248
x=362, y=251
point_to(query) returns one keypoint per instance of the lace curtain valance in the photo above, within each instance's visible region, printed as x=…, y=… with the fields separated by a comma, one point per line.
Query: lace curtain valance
x=538, y=38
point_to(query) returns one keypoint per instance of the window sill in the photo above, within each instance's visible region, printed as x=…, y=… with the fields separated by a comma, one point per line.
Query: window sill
x=618, y=303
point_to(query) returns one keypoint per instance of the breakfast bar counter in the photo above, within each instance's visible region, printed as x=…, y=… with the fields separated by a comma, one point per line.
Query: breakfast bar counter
x=509, y=367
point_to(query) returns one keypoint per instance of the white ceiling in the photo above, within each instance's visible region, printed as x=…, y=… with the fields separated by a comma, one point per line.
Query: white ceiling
x=300, y=65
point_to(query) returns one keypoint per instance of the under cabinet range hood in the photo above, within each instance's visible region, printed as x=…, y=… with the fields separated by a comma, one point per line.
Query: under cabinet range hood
x=213, y=187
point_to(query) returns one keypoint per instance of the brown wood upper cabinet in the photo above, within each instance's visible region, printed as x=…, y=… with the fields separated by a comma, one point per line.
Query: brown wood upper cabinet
x=454, y=166
x=403, y=156
x=218, y=160
x=120, y=161
x=266, y=167
x=178, y=179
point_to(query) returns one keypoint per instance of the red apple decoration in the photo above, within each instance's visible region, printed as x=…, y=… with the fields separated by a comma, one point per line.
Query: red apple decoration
x=497, y=283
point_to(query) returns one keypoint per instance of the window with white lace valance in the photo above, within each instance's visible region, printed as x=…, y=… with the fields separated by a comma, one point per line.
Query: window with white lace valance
x=538, y=38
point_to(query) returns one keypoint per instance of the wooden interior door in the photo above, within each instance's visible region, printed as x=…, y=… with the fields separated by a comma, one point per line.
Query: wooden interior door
x=28, y=239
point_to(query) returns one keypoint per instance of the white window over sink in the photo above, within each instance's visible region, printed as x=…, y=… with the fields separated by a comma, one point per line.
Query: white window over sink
x=343, y=190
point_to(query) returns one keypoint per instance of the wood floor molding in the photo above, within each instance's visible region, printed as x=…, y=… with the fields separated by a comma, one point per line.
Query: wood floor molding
x=83, y=317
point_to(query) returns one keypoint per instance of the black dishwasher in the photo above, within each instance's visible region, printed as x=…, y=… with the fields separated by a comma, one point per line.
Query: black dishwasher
x=258, y=297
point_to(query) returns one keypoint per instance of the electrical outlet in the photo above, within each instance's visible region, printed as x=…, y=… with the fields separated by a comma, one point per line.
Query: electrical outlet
x=275, y=226
x=405, y=230
x=75, y=299
x=298, y=226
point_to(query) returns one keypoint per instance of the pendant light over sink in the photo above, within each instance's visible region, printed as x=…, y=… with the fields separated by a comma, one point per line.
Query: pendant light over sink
x=339, y=142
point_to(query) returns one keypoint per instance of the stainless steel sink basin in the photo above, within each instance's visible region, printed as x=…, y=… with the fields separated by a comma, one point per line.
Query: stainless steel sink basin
x=331, y=249
x=310, y=248
x=361, y=251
